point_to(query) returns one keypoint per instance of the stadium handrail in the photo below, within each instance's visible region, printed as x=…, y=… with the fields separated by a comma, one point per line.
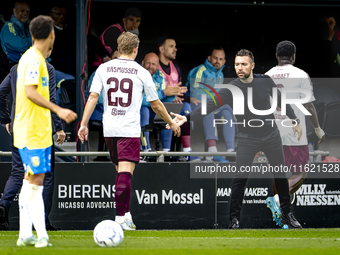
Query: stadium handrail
x=159, y=154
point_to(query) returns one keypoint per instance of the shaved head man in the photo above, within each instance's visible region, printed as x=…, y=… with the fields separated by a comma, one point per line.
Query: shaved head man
x=21, y=11
x=151, y=62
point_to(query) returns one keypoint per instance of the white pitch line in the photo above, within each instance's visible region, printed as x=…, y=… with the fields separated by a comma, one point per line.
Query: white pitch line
x=200, y=238
x=238, y=238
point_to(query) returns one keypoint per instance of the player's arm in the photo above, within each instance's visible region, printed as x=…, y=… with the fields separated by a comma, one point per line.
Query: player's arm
x=33, y=95
x=314, y=117
x=96, y=90
x=314, y=120
x=158, y=107
x=89, y=108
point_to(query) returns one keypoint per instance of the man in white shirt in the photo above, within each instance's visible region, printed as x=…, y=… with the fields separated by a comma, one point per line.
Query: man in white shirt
x=123, y=82
x=296, y=153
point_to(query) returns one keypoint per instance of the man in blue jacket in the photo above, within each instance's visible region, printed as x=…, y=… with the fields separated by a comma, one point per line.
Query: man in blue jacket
x=14, y=182
x=15, y=36
x=210, y=73
x=165, y=94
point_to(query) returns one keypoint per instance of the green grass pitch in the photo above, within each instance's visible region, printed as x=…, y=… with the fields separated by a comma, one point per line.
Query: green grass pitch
x=246, y=241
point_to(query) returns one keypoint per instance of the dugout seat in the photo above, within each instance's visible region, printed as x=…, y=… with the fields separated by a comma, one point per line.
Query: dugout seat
x=155, y=128
x=158, y=124
x=331, y=121
x=328, y=109
x=324, y=94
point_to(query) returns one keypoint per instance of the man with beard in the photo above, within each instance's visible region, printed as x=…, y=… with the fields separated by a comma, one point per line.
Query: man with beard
x=210, y=73
x=252, y=139
x=173, y=77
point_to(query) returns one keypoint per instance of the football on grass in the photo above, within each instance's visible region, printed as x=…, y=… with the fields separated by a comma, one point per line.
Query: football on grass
x=108, y=234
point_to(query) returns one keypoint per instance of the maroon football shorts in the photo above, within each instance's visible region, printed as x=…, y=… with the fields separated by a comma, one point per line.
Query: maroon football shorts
x=123, y=149
x=296, y=157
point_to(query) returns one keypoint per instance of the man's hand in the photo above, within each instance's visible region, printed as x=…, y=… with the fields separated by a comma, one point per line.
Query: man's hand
x=177, y=90
x=297, y=131
x=175, y=127
x=183, y=89
x=320, y=133
x=179, y=119
x=8, y=128
x=83, y=133
x=172, y=91
x=195, y=101
x=61, y=136
x=66, y=114
x=178, y=100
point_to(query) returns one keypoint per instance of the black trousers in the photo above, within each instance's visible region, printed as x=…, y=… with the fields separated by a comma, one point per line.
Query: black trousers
x=247, y=147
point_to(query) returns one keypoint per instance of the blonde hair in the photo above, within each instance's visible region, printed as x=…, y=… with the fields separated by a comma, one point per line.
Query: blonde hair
x=127, y=42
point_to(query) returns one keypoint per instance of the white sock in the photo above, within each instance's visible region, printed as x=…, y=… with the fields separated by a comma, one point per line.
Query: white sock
x=25, y=221
x=277, y=199
x=128, y=215
x=37, y=210
x=166, y=150
x=120, y=219
x=212, y=149
x=187, y=149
